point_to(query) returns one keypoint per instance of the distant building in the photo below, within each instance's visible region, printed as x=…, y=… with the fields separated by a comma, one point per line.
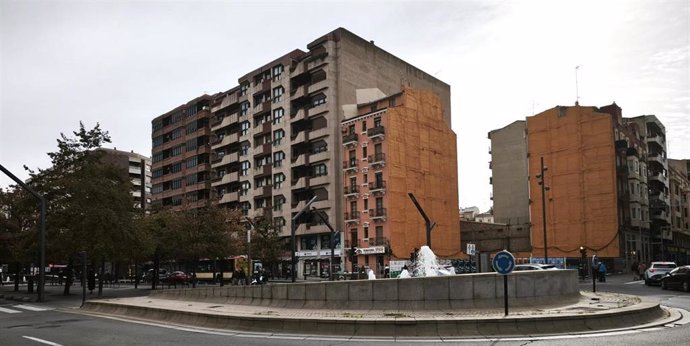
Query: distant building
x=679, y=186
x=137, y=169
x=392, y=146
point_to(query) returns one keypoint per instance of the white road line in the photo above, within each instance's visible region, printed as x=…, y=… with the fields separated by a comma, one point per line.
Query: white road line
x=32, y=308
x=9, y=311
x=639, y=282
x=41, y=341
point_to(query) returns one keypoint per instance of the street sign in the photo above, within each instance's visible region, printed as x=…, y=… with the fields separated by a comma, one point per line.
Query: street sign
x=503, y=262
x=470, y=249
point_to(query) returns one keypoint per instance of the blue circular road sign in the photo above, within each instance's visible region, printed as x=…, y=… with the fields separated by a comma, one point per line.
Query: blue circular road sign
x=503, y=262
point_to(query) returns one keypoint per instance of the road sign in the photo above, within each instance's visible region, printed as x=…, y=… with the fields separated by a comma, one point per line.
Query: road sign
x=470, y=249
x=503, y=262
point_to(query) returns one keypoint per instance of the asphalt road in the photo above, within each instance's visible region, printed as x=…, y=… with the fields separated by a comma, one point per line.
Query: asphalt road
x=57, y=322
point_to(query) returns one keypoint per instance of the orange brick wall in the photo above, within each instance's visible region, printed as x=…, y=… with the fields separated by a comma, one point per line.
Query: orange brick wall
x=421, y=158
x=578, y=149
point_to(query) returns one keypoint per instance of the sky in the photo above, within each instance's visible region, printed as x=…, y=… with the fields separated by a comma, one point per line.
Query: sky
x=122, y=63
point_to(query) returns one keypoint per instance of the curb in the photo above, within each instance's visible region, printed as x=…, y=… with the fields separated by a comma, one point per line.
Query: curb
x=645, y=313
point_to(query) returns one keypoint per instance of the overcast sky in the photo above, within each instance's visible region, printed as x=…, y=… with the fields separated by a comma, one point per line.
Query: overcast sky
x=123, y=63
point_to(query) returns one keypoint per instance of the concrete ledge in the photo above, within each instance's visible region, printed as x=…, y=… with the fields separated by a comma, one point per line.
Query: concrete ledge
x=483, y=290
x=393, y=324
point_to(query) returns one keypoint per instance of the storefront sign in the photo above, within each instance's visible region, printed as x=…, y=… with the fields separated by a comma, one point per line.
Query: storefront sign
x=315, y=253
x=370, y=250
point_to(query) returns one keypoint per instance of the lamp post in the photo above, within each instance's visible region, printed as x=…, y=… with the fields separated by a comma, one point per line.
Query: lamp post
x=250, y=271
x=544, y=188
x=293, y=229
x=429, y=225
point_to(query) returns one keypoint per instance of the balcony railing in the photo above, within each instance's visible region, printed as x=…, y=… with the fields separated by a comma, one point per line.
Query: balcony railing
x=376, y=132
x=351, y=190
x=377, y=159
x=377, y=213
x=350, y=139
x=377, y=186
x=350, y=165
x=352, y=216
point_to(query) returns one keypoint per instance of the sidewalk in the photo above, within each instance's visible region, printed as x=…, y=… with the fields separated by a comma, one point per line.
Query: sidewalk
x=54, y=294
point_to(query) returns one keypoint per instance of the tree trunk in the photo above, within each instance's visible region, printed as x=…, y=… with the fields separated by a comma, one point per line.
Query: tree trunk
x=154, y=276
x=136, y=274
x=196, y=265
x=101, y=276
x=69, y=274
x=222, y=262
x=17, y=267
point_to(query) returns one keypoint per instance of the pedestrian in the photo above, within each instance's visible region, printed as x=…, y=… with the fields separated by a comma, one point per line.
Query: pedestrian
x=633, y=270
x=641, y=269
x=602, y=272
x=91, y=281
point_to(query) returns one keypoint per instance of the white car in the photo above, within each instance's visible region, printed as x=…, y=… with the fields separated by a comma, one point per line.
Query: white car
x=656, y=272
x=534, y=266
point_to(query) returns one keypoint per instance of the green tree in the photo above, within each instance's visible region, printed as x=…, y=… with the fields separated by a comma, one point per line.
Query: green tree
x=89, y=203
x=18, y=229
x=266, y=241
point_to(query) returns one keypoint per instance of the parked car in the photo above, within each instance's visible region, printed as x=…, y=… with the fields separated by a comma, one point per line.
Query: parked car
x=534, y=266
x=677, y=278
x=162, y=274
x=178, y=277
x=656, y=272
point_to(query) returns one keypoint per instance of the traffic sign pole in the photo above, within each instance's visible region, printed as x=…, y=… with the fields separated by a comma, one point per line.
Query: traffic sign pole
x=505, y=293
x=504, y=263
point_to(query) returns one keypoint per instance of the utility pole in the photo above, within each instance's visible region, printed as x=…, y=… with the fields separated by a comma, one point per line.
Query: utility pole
x=293, y=229
x=544, y=188
x=250, y=271
x=429, y=225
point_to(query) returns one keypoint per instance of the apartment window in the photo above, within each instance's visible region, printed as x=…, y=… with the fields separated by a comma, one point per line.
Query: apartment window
x=366, y=206
x=191, y=127
x=157, y=125
x=377, y=121
x=278, y=180
x=364, y=125
x=244, y=87
x=319, y=147
x=191, y=144
x=244, y=149
x=353, y=206
x=192, y=162
x=244, y=108
x=351, y=129
x=278, y=159
x=379, y=203
x=278, y=116
x=157, y=141
x=278, y=94
x=353, y=181
x=262, y=161
x=192, y=197
x=353, y=158
x=379, y=232
x=319, y=170
x=177, y=200
x=365, y=178
x=318, y=100
x=176, y=151
x=364, y=151
x=157, y=188
x=391, y=102
x=278, y=202
x=245, y=206
x=157, y=173
x=176, y=167
x=244, y=188
x=277, y=72
x=158, y=157
x=176, y=184
x=191, y=179
x=244, y=128
x=278, y=137
x=177, y=133
x=244, y=168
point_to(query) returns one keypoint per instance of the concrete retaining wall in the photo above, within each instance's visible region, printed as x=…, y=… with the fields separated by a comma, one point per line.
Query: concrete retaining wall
x=484, y=290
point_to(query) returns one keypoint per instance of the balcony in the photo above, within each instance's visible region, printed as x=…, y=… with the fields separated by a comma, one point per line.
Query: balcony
x=352, y=217
x=299, y=183
x=318, y=133
x=350, y=166
x=378, y=214
x=227, y=140
x=227, y=121
x=320, y=156
x=660, y=215
x=351, y=192
x=322, y=108
x=350, y=140
x=227, y=159
x=376, y=133
x=226, y=179
x=377, y=187
x=656, y=157
x=318, y=86
x=300, y=160
x=318, y=180
x=377, y=160
x=229, y=197
x=227, y=101
x=660, y=177
x=299, y=138
x=300, y=114
x=657, y=139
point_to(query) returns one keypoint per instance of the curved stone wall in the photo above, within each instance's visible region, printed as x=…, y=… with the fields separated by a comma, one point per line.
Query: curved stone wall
x=483, y=290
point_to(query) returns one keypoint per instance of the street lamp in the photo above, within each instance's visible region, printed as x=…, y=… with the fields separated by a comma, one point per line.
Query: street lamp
x=428, y=223
x=332, y=243
x=250, y=271
x=544, y=188
x=293, y=229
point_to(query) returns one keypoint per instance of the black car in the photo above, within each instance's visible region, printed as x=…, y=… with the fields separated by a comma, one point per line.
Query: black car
x=677, y=278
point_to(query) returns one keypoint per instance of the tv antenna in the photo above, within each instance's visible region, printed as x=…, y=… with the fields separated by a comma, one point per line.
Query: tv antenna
x=577, y=92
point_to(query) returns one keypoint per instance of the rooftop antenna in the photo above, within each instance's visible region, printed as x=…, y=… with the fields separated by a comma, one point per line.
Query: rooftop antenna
x=577, y=93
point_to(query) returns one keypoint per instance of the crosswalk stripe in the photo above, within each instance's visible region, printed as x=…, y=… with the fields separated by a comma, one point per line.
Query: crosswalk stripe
x=32, y=308
x=9, y=311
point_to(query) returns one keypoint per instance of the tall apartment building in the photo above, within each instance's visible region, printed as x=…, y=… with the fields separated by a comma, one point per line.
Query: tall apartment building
x=136, y=168
x=392, y=146
x=653, y=133
x=678, y=248
x=597, y=175
x=275, y=137
x=181, y=156
x=509, y=174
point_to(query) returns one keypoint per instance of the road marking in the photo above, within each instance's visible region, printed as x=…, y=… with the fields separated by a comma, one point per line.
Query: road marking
x=41, y=341
x=32, y=308
x=639, y=282
x=9, y=311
